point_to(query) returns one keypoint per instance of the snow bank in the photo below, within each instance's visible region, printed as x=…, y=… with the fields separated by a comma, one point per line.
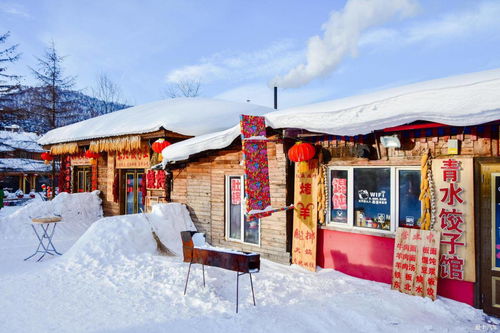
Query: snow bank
x=78, y=212
x=188, y=116
x=463, y=100
x=114, y=238
x=168, y=220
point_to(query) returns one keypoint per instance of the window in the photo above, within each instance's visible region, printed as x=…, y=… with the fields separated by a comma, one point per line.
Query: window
x=374, y=197
x=238, y=228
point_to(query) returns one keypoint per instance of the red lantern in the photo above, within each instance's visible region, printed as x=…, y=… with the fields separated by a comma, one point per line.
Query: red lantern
x=93, y=156
x=158, y=147
x=46, y=157
x=302, y=152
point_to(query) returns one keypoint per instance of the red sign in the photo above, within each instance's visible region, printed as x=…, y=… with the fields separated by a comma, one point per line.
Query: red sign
x=235, y=191
x=339, y=193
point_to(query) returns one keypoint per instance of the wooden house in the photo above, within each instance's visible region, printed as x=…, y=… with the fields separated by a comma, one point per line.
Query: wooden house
x=113, y=153
x=366, y=183
x=21, y=166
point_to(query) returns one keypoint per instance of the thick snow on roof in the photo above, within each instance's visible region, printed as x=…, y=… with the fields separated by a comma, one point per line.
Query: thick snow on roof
x=23, y=165
x=463, y=100
x=187, y=116
x=10, y=141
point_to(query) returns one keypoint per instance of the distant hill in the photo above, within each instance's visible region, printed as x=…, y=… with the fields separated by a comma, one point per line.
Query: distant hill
x=21, y=109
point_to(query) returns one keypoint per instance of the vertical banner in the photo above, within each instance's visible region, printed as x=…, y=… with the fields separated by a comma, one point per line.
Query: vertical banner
x=304, y=217
x=454, y=185
x=254, y=144
x=110, y=175
x=416, y=260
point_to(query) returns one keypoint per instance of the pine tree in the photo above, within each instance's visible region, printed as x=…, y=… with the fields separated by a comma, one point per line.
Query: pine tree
x=51, y=100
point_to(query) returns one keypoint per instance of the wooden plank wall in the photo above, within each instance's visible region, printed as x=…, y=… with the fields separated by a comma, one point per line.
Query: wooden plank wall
x=201, y=187
x=109, y=208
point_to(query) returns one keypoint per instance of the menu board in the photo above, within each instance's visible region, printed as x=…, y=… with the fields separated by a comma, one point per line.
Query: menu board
x=416, y=260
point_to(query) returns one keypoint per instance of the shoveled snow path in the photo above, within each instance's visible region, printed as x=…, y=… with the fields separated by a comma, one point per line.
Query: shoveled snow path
x=144, y=293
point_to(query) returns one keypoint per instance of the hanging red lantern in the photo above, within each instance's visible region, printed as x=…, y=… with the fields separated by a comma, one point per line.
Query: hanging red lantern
x=46, y=157
x=92, y=156
x=302, y=152
x=158, y=147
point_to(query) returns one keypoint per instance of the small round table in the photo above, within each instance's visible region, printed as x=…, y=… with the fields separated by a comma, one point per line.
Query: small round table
x=44, y=235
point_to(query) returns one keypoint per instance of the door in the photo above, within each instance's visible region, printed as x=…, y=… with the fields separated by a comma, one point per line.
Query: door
x=133, y=191
x=83, y=179
x=489, y=242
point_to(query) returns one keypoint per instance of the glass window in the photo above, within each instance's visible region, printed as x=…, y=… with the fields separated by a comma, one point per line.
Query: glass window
x=238, y=227
x=409, y=205
x=372, y=198
x=338, y=196
x=251, y=231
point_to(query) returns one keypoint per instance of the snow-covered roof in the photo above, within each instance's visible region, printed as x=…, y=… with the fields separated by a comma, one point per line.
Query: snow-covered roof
x=462, y=100
x=10, y=141
x=187, y=116
x=23, y=165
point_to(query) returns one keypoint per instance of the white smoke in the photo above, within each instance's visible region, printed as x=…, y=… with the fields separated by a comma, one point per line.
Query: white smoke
x=341, y=36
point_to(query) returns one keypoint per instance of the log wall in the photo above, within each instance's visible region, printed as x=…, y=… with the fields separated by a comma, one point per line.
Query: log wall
x=200, y=185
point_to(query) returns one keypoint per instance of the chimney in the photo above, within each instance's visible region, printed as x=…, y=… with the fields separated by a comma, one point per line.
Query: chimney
x=276, y=98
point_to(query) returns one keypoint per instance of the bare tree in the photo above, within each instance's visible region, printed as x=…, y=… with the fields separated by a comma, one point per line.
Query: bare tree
x=9, y=83
x=51, y=100
x=183, y=88
x=107, y=96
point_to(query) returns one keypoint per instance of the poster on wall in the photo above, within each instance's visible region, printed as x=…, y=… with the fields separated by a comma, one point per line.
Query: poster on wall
x=304, y=236
x=454, y=186
x=416, y=262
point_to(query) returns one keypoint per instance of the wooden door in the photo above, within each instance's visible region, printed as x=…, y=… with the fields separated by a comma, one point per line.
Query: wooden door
x=133, y=191
x=489, y=210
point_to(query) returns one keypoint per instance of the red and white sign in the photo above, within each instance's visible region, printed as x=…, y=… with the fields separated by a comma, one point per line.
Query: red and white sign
x=454, y=199
x=339, y=193
x=235, y=191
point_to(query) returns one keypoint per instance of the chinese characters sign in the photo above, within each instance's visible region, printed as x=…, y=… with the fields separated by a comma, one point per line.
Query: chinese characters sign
x=304, y=218
x=416, y=260
x=133, y=160
x=454, y=217
x=235, y=191
x=80, y=160
x=339, y=193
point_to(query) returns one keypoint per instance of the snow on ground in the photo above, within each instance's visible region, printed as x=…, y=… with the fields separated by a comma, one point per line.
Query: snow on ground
x=113, y=280
x=77, y=210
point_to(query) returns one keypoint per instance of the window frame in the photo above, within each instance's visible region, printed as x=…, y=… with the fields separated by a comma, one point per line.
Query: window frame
x=394, y=196
x=227, y=220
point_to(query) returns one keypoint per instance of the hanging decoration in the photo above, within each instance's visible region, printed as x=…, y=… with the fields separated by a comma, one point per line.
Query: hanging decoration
x=116, y=187
x=427, y=194
x=64, y=148
x=300, y=153
x=158, y=147
x=254, y=144
x=64, y=180
x=120, y=144
x=47, y=157
x=92, y=156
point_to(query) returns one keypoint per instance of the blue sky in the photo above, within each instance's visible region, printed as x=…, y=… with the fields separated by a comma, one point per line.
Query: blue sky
x=237, y=48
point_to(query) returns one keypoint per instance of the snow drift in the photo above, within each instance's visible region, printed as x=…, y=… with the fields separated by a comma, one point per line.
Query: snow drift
x=78, y=212
x=126, y=236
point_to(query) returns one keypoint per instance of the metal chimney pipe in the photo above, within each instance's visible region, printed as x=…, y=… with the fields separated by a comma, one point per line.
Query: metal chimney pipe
x=275, y=98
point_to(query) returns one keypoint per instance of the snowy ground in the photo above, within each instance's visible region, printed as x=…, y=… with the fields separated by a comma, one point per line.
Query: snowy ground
x=113, y=281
